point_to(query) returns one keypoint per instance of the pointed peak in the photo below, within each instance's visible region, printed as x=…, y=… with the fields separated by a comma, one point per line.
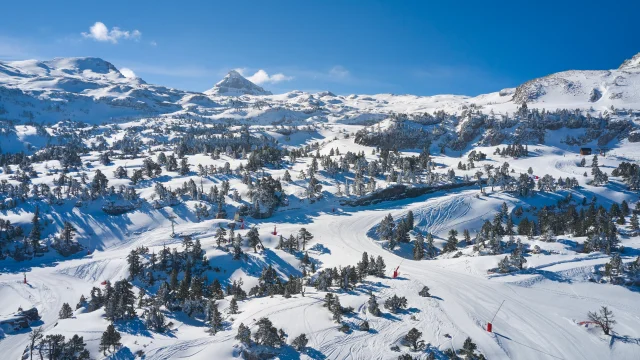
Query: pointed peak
x=234, y=73
x=234, y=84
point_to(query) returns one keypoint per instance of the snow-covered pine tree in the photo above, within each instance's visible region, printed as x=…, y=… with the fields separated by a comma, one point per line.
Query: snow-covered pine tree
x=154, y=318
x=221, y=235
x=372, y=306
x=244, y=334
x=233, y=306
x=110, y=338
x=305, y=236
x=215, y=318
x=418, y=247
x=65, y=312
x=452, y=242
x=300, y=342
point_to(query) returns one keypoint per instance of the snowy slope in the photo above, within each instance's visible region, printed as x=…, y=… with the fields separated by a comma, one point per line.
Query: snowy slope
x=544, y=304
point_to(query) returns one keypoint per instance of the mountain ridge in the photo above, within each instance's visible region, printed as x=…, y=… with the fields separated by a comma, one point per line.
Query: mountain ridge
x=93, y=90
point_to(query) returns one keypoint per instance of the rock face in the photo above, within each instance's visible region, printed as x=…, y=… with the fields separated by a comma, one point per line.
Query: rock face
x=235, y=84
x=22, y=319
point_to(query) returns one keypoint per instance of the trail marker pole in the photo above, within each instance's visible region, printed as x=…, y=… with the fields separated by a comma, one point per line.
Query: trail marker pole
x=489, y=324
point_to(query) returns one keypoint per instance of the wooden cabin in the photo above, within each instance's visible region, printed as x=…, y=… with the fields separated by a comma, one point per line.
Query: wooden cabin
x=585, y=151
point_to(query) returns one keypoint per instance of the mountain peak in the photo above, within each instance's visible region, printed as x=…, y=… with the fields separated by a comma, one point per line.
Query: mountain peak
x=633, y=63
x=234, y=84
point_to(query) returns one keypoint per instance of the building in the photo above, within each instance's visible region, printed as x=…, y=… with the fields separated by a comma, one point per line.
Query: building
x=585, y=151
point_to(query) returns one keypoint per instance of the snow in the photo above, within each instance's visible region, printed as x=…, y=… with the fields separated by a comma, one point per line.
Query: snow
x=543, y=304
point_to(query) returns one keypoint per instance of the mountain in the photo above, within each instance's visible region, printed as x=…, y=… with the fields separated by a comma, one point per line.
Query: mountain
x=81, y=89
x=585, y=88
x=633, y=63
x=93, y=90
x=235, y=84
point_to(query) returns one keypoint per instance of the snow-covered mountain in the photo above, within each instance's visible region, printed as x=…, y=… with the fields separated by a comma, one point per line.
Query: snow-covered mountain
x=237, y=224
x=80, y=89
x=94, y=91
x=577, y=88
x=235, y=84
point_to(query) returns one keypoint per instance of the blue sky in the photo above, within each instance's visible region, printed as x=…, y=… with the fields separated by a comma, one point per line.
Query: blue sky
x=417, y=47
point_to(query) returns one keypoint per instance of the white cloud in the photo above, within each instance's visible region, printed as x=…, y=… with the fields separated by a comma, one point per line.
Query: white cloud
x=100, y=32
x=153, y=43
x=339, y=72
x=262, y=77
x=128, y=73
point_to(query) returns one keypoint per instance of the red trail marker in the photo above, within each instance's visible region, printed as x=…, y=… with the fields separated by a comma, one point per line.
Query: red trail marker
x=396, y=272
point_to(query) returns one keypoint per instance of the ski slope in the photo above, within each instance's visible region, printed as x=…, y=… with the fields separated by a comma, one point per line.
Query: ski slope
x=542, y=305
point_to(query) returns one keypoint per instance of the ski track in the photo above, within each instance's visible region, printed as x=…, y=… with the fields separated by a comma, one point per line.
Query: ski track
x=467, y=301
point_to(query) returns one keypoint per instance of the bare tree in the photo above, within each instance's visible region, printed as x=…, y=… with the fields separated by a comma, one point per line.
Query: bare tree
x=604, y=319
x=34, y=338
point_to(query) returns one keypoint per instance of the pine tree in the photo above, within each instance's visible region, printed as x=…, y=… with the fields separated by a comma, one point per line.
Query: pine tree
x=380, y=267
x=467, y=236
x=452, y=242
x=110, y=338
x=244, y=334
x=221, y=235
x=254, y=239
x=233, y=306
x=34, y=236
x=305, y=236
x=184, y=167
x=469, y=348
x=135, y=266
x=635, y=224
x=410, y=220
x=154, y=319
x=121, y=301
x=517, y=256
x=372, y=306
x=300, y=342
x=173, y=279
x=385, y=228
x=336, y=310
x=68, y=232
x=75, y=349
x=183, y=289
x=215, y=318
x=503, y=265
x=418, y=247
x=395, y=303
x=65, y=312
x=215, y=289
x=267, y=334
x=431, y=249
x=413, y=339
